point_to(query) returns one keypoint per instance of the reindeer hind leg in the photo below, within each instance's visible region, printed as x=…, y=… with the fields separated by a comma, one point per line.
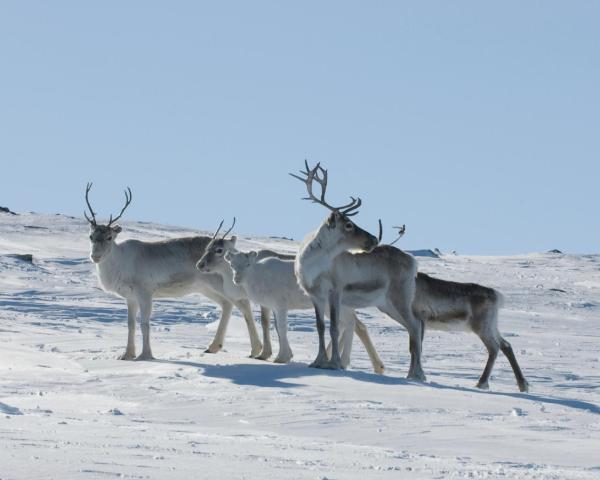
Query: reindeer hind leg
x=508, y=352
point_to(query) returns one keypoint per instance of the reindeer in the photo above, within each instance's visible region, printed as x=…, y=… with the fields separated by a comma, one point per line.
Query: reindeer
x=213, y=262
x=334, y=274
x=141, y=271
x=272, y=282
x=453, y=306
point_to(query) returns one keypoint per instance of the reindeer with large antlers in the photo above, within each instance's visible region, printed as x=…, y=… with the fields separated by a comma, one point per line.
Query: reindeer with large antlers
x=334, y=274
x=267, y=278
x=141, y=271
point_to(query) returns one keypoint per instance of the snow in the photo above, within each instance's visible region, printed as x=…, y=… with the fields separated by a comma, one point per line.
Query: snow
x=70, y=410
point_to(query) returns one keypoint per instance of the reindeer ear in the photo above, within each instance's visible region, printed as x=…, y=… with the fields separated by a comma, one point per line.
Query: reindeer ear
x=116, y=229
x=253, y=254
x=233, y=239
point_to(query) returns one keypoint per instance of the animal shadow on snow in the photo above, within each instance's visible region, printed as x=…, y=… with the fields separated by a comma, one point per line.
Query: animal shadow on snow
x=263, y=374
x=279, y=376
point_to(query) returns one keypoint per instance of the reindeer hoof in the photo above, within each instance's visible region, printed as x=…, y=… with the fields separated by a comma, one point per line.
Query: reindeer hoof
x=144, y=356
x=264, y=355
x=331, y=365
x=524, y=387
x=483, y=385
x=379, y=369
x=419, y=377
x=126, y=356
x=282, y=359
x=213, y=348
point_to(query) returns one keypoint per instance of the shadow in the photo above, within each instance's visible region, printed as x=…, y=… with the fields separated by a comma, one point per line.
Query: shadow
x=565, y=402
x=264, y=374
x=42, y=305
x=273, y=375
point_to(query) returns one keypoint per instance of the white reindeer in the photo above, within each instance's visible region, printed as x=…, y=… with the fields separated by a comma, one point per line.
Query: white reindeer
x=141, y=271
x=272, y=282
x=213, y=262
x=333, y=276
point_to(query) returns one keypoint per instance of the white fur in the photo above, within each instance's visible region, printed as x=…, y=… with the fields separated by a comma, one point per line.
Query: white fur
x=271, y=282
x=333, y=277
x=141, y=271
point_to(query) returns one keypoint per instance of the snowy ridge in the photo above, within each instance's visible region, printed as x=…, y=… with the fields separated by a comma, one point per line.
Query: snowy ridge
x=69, y=410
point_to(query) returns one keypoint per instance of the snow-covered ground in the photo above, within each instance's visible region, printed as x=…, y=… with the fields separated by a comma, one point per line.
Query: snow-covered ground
x=69, y=409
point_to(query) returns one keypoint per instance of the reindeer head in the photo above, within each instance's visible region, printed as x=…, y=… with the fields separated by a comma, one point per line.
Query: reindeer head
x=338, y=230
x=215, y=250
x=240, y=261
x=102, y=237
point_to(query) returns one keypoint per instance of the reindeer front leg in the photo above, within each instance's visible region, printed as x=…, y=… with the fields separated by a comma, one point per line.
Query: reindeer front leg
x=145, y=302
x=217, y=343
x=335, y=363
x=321, y=360
x=132, y=311
x=265, y=321
x=285, y=351
x=255, y=345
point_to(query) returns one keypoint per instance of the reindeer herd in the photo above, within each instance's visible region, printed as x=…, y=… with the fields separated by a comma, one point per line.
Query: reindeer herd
x=339, y=268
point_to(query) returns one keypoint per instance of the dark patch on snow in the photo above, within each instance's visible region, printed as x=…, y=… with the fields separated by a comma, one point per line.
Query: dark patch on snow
x=7, y=210
x=557, y=290
x=35, y=227
x=273, y=237
x=423, y=253
x=24, y=257
x=554, y=250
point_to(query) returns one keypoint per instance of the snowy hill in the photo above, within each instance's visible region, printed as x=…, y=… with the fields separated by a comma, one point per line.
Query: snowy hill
x=69, y=410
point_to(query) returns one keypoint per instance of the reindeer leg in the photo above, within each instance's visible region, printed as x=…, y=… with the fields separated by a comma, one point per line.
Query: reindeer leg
x=401, y=311
x=508, y=352
x=265, y=321
x=145, y=302
x=255, y=345
x=219, y=339
x=492, y=347
x=363, y=335
x=335, y=363
x=321, y=359
x=346, y=336
x=285, y=351
x=132, y=311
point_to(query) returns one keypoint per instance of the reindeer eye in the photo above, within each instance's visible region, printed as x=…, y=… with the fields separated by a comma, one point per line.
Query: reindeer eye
x=349, y=226
x=219, y=251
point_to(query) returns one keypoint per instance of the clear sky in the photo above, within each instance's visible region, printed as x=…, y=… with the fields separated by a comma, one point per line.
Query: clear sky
x=477, y=124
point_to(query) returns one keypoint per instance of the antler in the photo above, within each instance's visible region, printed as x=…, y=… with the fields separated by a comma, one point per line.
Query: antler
x=216, y=233
x=311, y=176
x=214, y=237
x=401, y=231
x=128, y=197
x=87, y=200
x=230, y=229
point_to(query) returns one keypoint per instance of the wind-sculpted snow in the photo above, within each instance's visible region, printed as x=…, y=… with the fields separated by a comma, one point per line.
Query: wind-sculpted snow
x=70, y=410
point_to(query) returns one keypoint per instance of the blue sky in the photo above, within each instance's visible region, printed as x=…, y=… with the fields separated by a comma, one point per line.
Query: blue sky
x=475, y=123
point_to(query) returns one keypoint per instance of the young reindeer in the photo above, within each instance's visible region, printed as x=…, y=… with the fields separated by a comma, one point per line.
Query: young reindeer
x=271, y=282
x=333, y=274
x=453, y=306
x=141, y=271
x=213, y=262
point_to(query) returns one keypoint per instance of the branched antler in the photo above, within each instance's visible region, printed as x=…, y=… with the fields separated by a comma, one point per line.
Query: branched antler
x=401, y=231
x=128, y=197
x=87, y=200
x=319, y=174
